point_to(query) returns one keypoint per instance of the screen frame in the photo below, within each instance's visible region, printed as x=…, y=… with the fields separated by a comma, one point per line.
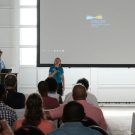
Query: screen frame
x=70, y=65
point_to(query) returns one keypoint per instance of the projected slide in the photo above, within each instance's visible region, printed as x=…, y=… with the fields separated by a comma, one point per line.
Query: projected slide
x=86, y=32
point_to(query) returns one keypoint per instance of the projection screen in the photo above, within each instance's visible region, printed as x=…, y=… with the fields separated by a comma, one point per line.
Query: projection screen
x=86, y=32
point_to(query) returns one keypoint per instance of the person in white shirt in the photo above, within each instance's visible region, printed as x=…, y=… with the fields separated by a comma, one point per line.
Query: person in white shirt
x=90, y=97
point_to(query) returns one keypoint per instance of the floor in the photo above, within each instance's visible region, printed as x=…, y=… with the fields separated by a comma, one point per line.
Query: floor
x=119, y=118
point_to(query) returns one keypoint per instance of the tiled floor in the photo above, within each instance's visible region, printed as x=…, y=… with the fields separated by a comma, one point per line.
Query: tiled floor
x=119, y=118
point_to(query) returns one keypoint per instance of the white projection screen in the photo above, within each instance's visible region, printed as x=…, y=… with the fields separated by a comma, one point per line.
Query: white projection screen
x=86, y=32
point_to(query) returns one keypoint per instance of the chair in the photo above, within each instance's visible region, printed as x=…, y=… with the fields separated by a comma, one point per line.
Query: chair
x=28, y=130
x=101, y=130
x=20, y=112
x=133, y=125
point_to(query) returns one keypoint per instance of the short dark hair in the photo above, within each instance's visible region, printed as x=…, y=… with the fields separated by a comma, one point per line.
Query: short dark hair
x=10, y=80
x=73, y=112
x=42, y=88
x=79, y=92
x=84, y=82
x=52, y=84
x=2, y=93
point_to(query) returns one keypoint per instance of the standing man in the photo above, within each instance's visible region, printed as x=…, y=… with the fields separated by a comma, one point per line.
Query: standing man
x=2, y=65
x=57, y=72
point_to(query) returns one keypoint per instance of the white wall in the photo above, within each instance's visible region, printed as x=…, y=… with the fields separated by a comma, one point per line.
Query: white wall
x=9, y=33
x=108, y=84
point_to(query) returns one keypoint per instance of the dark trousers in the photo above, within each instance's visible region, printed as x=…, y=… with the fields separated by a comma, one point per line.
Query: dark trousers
x=59, y=90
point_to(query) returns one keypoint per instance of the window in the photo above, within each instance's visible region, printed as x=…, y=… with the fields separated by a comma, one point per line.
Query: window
x=28, y=2
x=28, y=36
x=28, y=16
x=27, y=56
x=28, y=32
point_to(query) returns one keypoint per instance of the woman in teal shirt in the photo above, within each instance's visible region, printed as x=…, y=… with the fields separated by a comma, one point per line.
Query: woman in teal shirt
x=57, y=72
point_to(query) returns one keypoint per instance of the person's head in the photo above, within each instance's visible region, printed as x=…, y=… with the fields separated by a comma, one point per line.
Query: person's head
x=79, y=92
x=29, y=130
x=10, y=81
x=52, y=84
x=0, y=53
x=84, y=82
x=43, y=88
x=73, y=112
x=34, y=110
x=2, y=93
x=57, y=61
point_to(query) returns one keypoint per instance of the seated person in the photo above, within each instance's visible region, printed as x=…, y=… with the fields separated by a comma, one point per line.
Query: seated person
x=14, y=99
x=48, y=102
x=52, y=91
x=91, y=111
x=6, y=112
x=5, y=129
x=90, y=97
x=34, y=115
x=73, y=114
x=28, y=130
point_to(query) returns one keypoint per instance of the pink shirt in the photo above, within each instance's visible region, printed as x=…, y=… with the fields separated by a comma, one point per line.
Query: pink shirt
x=91, y=111
x=45, y=126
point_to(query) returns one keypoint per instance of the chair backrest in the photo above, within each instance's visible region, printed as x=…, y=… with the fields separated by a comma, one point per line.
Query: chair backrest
x=101, y=130
x=6, y=70
x=20, y=112
x=28, y=130
x=89, y=122
x=133, y=125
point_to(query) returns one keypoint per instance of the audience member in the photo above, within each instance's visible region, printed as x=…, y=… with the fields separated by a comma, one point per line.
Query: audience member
x=5, y=129
x=91, y=111
x=6, y=112
x=14, y=99
x=34, y=115
x=52, y=91
x=48, y=102
x=28, y=130
x=56, y=71
x=90, y=97
x=73, y=114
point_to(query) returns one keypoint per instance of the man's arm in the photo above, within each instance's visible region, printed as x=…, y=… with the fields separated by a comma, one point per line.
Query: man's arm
x=54, y=113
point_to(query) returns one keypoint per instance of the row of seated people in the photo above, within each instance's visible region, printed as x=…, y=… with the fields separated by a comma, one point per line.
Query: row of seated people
x=51, y=100
x=48, y=91
x=73, y=114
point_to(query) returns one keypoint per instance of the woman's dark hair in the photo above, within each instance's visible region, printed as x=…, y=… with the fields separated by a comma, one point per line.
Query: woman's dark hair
x=52, y=84
x=28, y=130
x=84, y=82
x=34, y=111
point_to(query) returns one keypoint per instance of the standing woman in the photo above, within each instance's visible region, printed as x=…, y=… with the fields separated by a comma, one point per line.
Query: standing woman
x=57, y=72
